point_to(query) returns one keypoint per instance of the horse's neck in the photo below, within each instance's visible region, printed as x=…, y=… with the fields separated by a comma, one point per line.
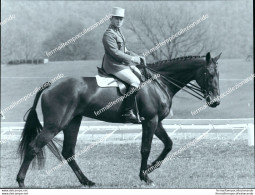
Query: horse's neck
x=184, y=72
x=174, y=88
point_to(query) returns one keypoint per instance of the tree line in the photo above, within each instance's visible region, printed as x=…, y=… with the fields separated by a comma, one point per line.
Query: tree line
x=40, y=26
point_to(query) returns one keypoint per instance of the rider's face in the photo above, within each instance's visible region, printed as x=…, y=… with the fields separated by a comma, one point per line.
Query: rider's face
x=117, y=21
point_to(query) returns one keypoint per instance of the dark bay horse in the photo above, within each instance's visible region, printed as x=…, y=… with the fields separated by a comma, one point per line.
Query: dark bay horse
x=64, y=105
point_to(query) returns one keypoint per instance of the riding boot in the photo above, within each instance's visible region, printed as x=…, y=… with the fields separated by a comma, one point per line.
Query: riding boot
x=129, y=105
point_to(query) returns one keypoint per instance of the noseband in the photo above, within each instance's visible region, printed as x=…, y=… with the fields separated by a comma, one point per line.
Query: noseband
x=205, y=88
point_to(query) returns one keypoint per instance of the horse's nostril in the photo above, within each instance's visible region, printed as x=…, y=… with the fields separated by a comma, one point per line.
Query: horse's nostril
x=208, y=99
x=215, y=104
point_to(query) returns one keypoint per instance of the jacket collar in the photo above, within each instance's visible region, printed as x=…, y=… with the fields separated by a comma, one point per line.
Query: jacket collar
x=114, y=28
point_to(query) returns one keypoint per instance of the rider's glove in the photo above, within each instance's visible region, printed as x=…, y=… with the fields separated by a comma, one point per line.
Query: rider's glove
x=136, y=59
x=143, y=60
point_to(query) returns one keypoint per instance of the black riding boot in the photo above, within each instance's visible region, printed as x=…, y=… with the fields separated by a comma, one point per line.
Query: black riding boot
x=129, y=105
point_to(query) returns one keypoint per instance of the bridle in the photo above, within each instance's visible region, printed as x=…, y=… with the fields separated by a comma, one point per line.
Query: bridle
x=199, y=93
x=205, y=89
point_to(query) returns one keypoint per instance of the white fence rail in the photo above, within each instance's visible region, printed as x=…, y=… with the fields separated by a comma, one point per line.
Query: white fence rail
x=232, y=128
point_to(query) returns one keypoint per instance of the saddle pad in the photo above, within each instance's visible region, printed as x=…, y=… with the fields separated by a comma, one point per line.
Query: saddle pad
x=106, y=81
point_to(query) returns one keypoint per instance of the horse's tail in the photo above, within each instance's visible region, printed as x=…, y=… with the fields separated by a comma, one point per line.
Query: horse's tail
x=31, y=129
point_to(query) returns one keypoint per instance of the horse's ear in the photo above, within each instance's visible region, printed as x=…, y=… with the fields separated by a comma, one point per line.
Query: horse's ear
x=208, y=57
x=217, y=57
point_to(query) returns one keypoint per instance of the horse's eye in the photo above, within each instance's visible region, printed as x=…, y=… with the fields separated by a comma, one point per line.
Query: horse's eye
x=210, y=76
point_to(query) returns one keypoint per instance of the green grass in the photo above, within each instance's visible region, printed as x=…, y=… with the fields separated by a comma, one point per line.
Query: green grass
x=208, y=164
x=238, y=104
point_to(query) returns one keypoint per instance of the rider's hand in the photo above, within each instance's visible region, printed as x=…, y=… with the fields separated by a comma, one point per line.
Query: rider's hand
x=143, y=60
x=134, y=68
x=136, y=59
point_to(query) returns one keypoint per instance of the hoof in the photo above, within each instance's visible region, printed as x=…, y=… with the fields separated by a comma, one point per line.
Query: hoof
x=146, y=179
x=149, y=181
x=146, y=185
x=153, y=184
x=89, y=183
x=21, y=183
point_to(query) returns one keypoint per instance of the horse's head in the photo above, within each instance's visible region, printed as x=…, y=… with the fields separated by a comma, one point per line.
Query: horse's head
x=208, y=80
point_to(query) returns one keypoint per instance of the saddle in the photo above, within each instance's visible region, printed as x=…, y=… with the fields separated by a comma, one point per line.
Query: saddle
x=108, y=80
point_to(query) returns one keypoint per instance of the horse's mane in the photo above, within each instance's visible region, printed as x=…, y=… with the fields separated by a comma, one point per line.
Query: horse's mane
x=174, y=59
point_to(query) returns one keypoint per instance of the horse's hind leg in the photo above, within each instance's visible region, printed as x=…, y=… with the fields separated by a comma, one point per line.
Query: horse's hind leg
x=40, y=141
x=70, y=138
x=162, y=135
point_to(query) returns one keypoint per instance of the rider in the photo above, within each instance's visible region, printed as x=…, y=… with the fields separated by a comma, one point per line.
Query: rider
x=118, y=61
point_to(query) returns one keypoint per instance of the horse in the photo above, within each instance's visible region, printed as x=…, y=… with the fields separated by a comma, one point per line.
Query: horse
x=64, y=104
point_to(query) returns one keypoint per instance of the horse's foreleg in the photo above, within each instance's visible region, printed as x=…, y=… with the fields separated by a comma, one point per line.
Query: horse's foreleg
x=162, y=135
x=70, y=138
x=149, y=128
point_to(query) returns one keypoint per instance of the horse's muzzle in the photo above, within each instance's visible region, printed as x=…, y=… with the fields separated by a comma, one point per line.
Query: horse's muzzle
x=215, y=104
x=212, y=102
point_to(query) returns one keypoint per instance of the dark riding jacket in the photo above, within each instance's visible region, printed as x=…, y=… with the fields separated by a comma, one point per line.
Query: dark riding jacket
x=116, y=56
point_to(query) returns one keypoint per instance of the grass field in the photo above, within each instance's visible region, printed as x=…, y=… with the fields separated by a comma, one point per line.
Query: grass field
x=238, y=104
x=208, y=164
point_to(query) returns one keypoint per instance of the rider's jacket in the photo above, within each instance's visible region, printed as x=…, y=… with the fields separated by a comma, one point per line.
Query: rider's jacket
x=116, y=56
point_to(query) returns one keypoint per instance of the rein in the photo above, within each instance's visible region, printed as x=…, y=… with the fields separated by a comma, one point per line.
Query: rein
x=195, y=89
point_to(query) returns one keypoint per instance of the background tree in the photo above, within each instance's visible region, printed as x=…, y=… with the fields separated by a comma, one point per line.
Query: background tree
x=154, y=24
x=82, y=49
x=41, y=26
